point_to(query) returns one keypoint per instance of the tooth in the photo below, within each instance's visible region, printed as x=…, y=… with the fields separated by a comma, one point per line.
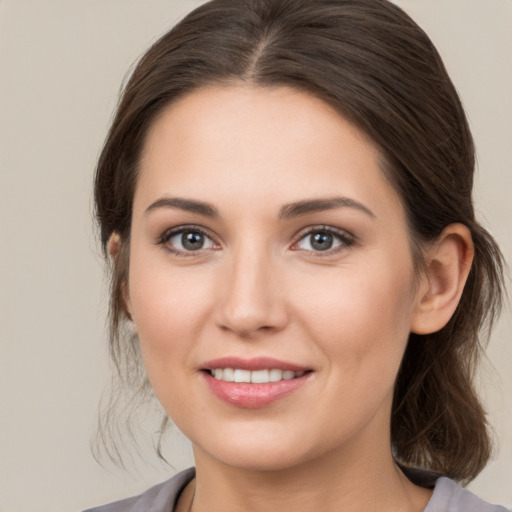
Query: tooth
x=256, y=376
x=275, y=375
x=259, y=376
x=229, y=374
x=242, y=376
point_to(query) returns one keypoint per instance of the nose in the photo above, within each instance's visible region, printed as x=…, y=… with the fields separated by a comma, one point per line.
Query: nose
x=252, y=295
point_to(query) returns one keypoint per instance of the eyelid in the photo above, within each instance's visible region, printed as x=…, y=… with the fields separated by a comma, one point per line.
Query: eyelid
x=347, y=239
x=169, y=233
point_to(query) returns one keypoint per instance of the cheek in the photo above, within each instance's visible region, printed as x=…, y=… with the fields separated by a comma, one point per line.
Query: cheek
x=169, y=307
x=361, y=319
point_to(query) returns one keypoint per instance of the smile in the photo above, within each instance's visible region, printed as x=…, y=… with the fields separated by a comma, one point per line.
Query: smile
x=254, y=383
x=255, y=377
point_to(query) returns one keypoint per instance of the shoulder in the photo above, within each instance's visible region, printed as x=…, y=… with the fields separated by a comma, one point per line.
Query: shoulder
x=450, y=497
x=160, y=498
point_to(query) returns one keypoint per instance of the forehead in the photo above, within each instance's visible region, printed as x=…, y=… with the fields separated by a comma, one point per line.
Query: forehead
x=255, y=114
x=273, y=143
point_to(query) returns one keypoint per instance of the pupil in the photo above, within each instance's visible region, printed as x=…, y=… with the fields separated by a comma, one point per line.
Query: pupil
x=322, y=241
x=192, y=241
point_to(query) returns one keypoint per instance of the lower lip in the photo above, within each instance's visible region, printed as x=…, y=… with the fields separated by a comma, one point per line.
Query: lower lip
x=253, y=396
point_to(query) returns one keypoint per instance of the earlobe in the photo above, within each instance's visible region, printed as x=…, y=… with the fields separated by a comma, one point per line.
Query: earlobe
x=448, y=262
x=118, y=252
x=113, y=245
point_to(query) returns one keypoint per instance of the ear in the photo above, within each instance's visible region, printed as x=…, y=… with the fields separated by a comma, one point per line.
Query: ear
x=113, y=245
x=448, y=262
x=118, y=252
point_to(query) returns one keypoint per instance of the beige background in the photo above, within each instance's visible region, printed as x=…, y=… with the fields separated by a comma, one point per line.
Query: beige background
x=61, y=65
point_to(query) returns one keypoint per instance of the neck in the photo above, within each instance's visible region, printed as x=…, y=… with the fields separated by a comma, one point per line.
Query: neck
x=369, y=482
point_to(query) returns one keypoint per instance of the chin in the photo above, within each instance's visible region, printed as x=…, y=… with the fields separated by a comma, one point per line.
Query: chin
x=262, y=450
x=255, y=459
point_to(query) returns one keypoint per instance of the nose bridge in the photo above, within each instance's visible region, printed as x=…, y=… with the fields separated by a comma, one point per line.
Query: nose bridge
x=251, y=297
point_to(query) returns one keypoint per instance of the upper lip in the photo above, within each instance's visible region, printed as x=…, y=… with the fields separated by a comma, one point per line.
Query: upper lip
x=256, y=363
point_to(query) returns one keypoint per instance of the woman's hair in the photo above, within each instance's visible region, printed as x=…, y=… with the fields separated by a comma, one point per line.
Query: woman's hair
x=372, y=63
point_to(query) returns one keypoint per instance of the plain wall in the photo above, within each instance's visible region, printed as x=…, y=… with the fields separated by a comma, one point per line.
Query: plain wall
x=61, y=66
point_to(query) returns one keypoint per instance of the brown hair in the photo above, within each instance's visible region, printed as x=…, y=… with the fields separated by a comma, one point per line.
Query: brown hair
x=369, y=60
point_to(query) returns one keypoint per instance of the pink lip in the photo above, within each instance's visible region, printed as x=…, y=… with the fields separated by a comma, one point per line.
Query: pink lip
x=248, y=395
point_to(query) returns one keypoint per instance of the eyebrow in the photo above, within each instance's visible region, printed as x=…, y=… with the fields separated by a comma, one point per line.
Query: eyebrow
x=318, y=205
x=188, y=205
x=288, y=211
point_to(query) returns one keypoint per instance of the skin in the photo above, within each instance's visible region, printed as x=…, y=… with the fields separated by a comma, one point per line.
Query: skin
x=258, y=288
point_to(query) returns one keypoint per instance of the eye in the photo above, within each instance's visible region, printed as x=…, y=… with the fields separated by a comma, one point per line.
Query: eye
x=187, y=240
x=323, y=240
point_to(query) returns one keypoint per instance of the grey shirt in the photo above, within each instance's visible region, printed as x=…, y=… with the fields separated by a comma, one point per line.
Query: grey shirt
x=447, y=497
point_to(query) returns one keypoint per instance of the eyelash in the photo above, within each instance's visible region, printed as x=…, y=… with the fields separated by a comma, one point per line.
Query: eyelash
x=166, y=237
x=345, y=240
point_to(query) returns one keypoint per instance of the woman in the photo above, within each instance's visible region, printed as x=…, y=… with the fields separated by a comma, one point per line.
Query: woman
x=285, y=195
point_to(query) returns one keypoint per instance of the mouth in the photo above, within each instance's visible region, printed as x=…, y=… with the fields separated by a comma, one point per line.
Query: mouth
x=253, y=383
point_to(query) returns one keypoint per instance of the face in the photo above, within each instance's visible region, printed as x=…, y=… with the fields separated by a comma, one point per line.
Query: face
x=271, y=280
